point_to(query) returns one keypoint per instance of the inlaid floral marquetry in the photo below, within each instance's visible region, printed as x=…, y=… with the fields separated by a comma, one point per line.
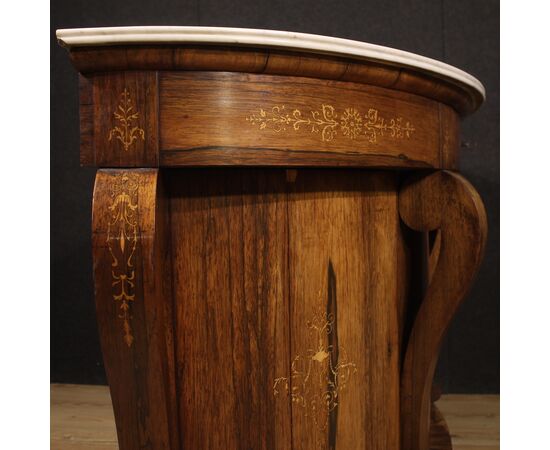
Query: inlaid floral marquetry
x=327, y=122
x=320, y=374
x=122, y=239
x=126, y=131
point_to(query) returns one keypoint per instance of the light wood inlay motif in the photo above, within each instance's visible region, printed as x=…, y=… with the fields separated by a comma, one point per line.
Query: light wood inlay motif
x=125, y=115
x=122, y=237
x=351, y=123
x=322, y=366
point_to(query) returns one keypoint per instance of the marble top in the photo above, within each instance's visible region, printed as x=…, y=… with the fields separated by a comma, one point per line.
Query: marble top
x=311, y=43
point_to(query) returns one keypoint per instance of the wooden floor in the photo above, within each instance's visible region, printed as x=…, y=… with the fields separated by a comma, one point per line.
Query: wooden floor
x=82, y=419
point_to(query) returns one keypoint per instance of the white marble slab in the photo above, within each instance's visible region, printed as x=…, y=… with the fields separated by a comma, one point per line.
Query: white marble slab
x=79, y=37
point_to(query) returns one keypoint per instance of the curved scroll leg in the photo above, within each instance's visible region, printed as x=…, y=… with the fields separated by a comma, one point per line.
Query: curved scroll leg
x=133, y=299
x=445, y=201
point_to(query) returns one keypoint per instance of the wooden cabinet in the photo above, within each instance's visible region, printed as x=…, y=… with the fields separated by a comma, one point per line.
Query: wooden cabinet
x=280, y=235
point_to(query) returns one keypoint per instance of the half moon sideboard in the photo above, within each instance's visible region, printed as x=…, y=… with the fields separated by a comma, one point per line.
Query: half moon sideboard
x=280, y=235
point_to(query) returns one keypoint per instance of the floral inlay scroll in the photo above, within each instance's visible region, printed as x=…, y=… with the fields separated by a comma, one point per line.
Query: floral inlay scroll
x=126, y=132
x=328, y=122
x=320, y=374
x=122, y=239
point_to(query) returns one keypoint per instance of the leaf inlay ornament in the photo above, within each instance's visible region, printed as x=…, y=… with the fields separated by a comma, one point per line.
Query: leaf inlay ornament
x=126, y=132
x=326, y=121
x=122, y=238
x=316, y=382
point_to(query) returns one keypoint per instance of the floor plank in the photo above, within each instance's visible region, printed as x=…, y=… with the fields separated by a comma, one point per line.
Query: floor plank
x=474, y=420
x=82, y=419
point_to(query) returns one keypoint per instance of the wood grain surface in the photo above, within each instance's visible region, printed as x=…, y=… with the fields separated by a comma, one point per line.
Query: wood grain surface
x=82, y=419
x=229, y=237
x=462, y=98
x=287, y=329
x=124, y=120
x=343, y=250
x=302, y=121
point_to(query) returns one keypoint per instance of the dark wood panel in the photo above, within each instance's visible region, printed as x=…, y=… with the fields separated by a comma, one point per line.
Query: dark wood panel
x=249, y=113
x=251, y=324
x=229, y=239
x=86, y=116
x=343, y=228
x=125, y=119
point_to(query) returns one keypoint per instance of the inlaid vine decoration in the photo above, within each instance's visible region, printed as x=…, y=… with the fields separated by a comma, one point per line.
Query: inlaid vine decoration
x=126, y=132
x=317, y=377
x=328, y=122
x=122, y=238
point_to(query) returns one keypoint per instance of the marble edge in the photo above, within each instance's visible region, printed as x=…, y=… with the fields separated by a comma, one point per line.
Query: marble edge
x=82, y=37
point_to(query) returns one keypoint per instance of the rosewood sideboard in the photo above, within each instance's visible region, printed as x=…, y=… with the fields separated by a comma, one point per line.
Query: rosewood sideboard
x=280, y=235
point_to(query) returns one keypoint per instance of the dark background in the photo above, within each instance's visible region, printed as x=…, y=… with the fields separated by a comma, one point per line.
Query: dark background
x=464, y=33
